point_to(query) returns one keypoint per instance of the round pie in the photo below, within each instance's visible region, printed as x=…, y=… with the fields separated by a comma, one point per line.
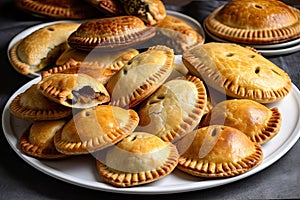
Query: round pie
x=238, y=72
x=175, y=109
x=218, y=151
x=255, y=22
x=138, y=159
x=94, y=129
x=257, y=121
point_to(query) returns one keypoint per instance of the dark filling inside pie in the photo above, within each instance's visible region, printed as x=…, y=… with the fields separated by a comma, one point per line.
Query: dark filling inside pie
x=86, y=95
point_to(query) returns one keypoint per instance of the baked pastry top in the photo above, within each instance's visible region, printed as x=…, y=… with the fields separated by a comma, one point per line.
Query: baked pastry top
x=48, y=41
x=110, y=33
x=175, y=108
x=94, y=129
x=32, y=105
x=99, y=66
x=238, y=71
x=257, y=121
x=176, y=34
x=218, y=151
x=141, y=76
x=139, y=158
x=57, y=9
x=37, y=140
x=73, y=90
x=255, y=22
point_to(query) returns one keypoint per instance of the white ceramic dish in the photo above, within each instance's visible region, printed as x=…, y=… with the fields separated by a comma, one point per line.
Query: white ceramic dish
x=267, y=50
x=190, y=21
x=81, y=170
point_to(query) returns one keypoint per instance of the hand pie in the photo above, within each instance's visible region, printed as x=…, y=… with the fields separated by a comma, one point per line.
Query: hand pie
x=141, y=76
x=257, y=121
x=109, y=7
x=73, y=90
x=37, y=140
x=57, y=9
x=94, y=129
x=255, y=22
x=110, y=33
x=40, y=48
x=100, y=67
x=175, y=109
x=138, y=159
x=218, y=151
x=176, y=34
x=32, y=105
x=238, y=72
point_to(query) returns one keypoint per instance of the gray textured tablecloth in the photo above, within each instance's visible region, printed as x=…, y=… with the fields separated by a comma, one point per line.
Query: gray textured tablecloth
x=21, y=181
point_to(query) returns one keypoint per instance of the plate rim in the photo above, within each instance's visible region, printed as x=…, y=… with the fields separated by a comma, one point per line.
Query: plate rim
x=291, y=47
x=101, y=186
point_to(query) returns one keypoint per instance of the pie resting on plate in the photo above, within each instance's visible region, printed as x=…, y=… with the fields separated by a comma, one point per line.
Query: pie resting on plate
x=138, y=159
x=237, y=71
x=218, y=151
x=255, y=22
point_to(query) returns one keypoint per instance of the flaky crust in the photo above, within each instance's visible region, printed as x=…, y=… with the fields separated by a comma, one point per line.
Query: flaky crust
x=255, y=22
x=48, y=41
x=257, y=121
x=138, y=79
x=238, y=72
x=228, y=152
x=174, y=109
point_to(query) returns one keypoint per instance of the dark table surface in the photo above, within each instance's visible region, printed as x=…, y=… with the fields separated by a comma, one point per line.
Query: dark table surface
x=19, y=180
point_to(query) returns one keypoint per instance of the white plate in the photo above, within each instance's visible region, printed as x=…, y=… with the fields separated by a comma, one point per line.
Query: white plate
x=81, y=170
x=190, y=21
x=267, y=50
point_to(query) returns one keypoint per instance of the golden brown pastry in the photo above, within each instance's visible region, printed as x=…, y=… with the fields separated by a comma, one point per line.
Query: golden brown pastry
x=100, y=67
x=32, y=105
x=237, y=72
x=150, y=11
x=41, y=47
x=37, y=140
x=141, y=76
x=255, y=22
x=175, y=109
x=73, y=90
x=94, y=129
x=257, y=121
x=110, y=7
x=57, y=9
x=110, y=33
x=138, y=159
x=218, y=151
x=176, y=34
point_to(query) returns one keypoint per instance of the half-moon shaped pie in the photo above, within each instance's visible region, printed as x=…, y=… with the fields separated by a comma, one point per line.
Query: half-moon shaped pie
x=257, y=121
x=175, y=109
x=176, y=34
x=238, y=72
x=73, y=90
x=141, y=76
x=32, y=105
x=218, y=151
x=138, y=159
x=57, y=9
x=255, y=22
x=110, y=33
x=94, y=129
x=37, y=140
x=101, y=67
x=40, y=48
